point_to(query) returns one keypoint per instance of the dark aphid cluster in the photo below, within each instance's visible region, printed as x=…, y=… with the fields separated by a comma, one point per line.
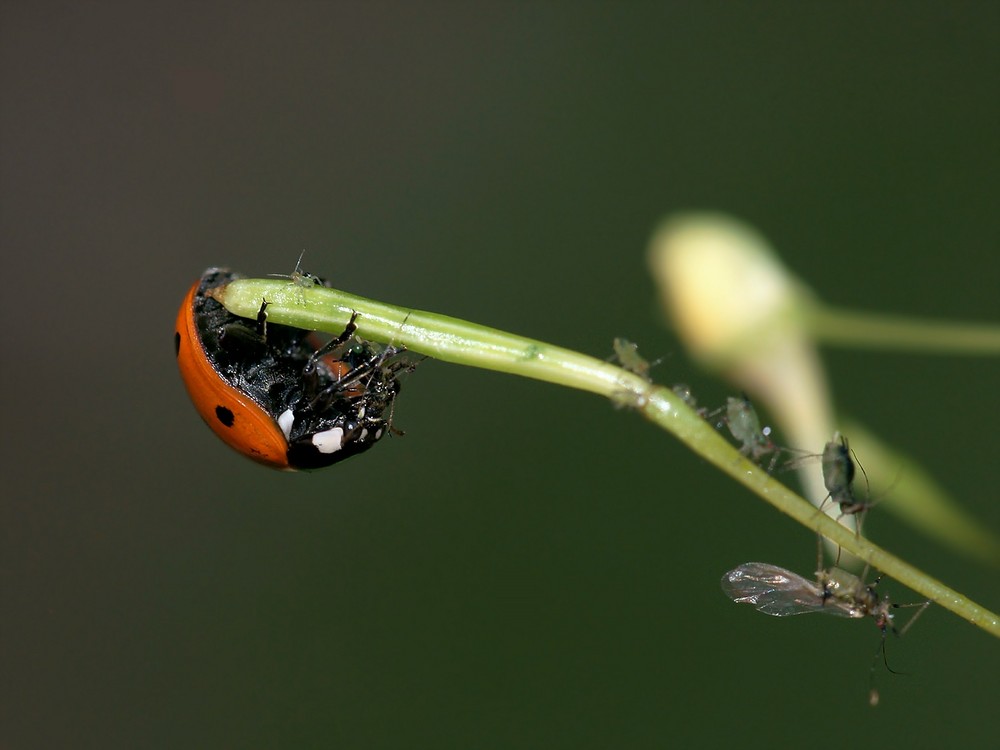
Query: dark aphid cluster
x=779, y=592
x=837, y=460
x=754, y=440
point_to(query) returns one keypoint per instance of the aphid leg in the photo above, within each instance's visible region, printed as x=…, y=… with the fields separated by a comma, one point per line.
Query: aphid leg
x=821, y=572
x=775, y=451
x=858, y=508
x=864, y=575
x=819, y=554
x=711, y=414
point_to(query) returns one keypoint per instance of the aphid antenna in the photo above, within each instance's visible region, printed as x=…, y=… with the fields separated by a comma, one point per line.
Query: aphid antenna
x=297, y=271
x=869, y=502
x=298, y=264
x=713, y=413
x=868, y=485
x=872, y=499
x=873, y=694
x=884, y=620
x=802, y=458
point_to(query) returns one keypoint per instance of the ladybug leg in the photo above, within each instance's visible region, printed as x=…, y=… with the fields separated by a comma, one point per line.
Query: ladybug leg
x=262, y=319
x=349, y=330
x=372, y=366
x=332, y=346
x=243, y=334
x=370, y=380
x=389, y=387
x=393, y=430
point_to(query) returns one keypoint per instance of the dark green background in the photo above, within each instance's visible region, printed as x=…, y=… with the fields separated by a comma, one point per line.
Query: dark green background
x=527, y=568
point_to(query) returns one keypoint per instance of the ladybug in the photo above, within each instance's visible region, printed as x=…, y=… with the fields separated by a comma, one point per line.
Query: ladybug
x=277, y=394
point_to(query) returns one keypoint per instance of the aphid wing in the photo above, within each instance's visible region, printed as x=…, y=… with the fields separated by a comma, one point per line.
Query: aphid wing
x=776, y=591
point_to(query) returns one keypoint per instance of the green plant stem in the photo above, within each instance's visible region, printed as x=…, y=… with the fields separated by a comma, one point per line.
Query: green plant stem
x=890, y=332
x=453, y=340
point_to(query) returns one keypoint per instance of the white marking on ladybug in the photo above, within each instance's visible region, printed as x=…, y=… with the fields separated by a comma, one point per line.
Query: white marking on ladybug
x=285, y=421
x=364, y=433
x=378, y=434
x=329, y=441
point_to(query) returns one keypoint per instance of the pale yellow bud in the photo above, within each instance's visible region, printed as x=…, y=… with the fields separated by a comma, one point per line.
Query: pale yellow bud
x=723, y=286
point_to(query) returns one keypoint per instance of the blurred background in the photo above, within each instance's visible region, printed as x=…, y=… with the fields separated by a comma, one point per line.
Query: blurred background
x=527, y=567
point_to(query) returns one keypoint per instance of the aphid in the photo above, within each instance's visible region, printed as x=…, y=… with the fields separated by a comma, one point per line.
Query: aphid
x=300, y=276
x=839, y=469
x=630, y=396
x=627, y=354
x=683, y=390
x=779, y=592
x=744, y=425
x=838, y=476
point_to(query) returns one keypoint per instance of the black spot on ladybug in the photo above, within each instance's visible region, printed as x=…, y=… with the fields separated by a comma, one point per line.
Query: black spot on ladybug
x=177, y=343
x=224, y=415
